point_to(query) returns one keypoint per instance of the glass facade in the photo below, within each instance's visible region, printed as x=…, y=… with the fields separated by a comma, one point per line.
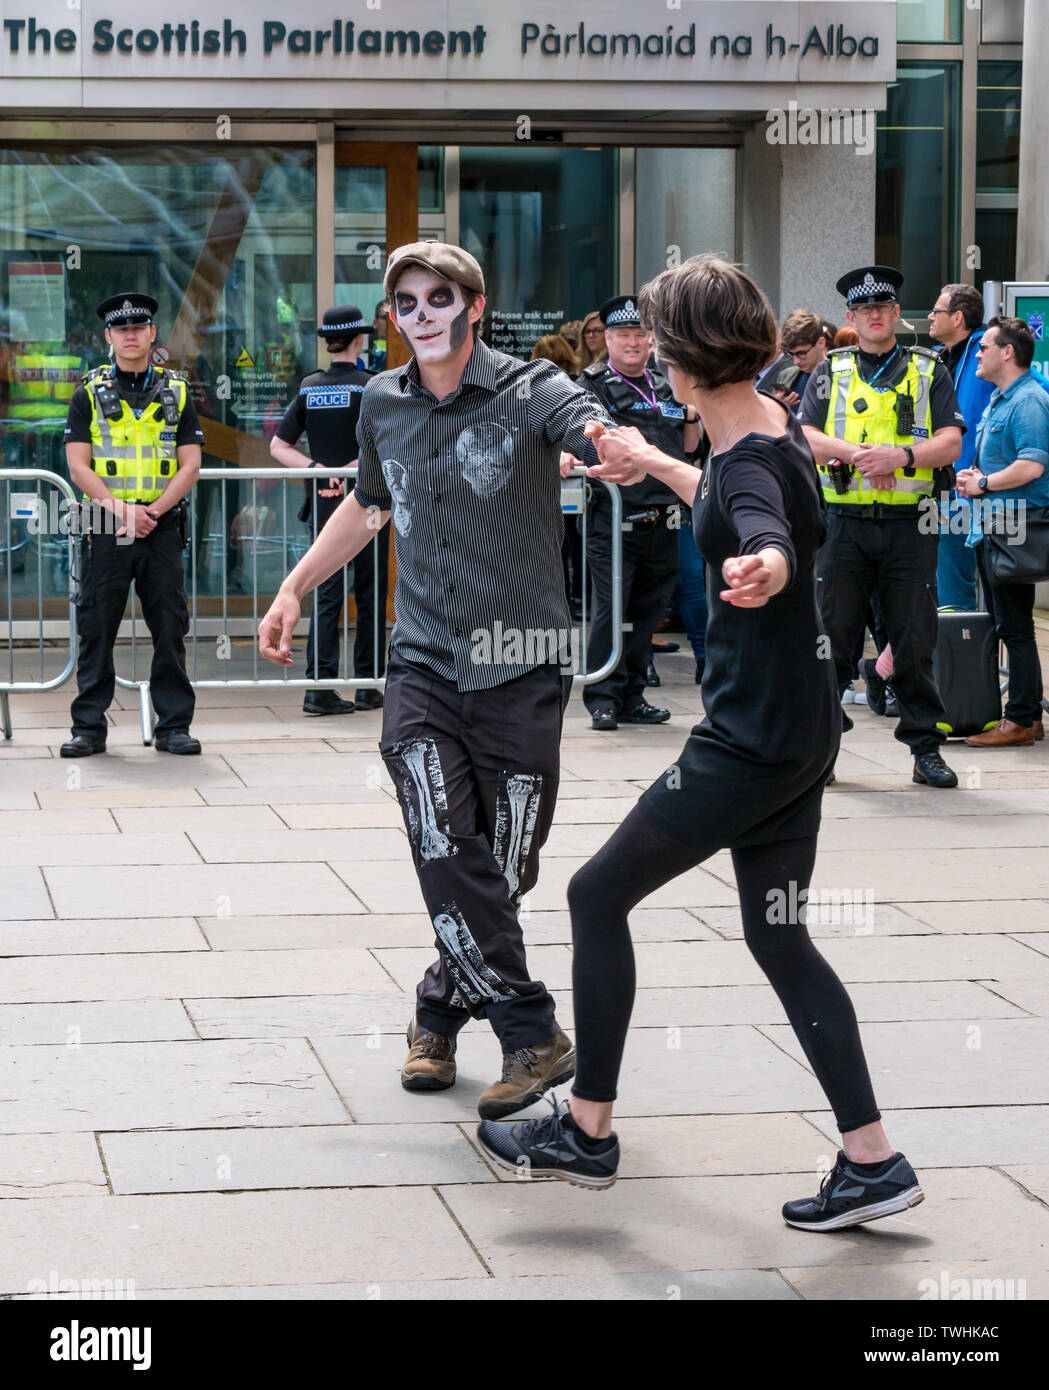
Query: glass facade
x=225, y=241
x=543, y=222
x=917, y=214
x=929, y=21
x=685, y=204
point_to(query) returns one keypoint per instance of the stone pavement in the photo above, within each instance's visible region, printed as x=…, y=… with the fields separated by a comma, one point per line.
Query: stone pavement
x=209, y=963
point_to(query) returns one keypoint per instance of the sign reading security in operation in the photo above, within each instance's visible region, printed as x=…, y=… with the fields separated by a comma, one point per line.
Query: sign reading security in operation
x=718, y=41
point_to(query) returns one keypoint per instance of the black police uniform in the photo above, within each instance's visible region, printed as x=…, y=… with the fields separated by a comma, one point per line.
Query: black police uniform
x=884, y=549
x=650, y=547
x=109, y=563
x=326, y=410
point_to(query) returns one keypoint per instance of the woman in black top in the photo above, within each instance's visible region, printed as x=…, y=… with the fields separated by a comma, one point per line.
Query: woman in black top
x=750, y=777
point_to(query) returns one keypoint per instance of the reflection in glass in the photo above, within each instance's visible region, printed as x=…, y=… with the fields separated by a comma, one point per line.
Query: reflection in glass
x=224, y=239
x=686, y=200
x=542, y=222
x=998, y=127
x=916, y=218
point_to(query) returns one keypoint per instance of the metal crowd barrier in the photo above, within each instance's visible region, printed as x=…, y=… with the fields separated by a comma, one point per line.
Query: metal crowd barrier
x=211, y=547
x=30, y=540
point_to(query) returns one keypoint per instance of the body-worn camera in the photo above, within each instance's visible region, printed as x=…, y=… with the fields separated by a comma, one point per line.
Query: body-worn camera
x=840, y=474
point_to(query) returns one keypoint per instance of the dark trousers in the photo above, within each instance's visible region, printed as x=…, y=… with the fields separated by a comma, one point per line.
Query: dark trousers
x=650, y=569
x=476, y=776
x=107, y=569
x=1012, y=608
x=892, y=556
x=322, y=641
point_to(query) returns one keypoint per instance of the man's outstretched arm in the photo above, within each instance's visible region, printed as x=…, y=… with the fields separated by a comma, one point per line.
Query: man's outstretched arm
x=349, y=530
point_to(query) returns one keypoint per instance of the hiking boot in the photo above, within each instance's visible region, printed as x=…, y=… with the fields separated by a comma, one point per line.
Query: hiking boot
x=931, y=770
x=527, y=1073
x=430, y=1064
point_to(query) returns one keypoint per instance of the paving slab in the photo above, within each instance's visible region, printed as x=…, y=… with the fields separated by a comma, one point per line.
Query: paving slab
x=1034, y=1177
x=66, y=937
x=164, y=1085
x=280, y=933
x=104, y=798
x=1019, y=914
x=24, y=895
x=218, y=1239
x=303, y=1016
x=51, y=1165
x=194, y=820
x=734, y=1222
x=646, y=924
x=306, y=795
x=77, y=1024
x=84, y=821
x=984, y=1281
x=992, y=1062
x=708, y=1285
x=241, y=890
x=90, y=852
x=346, y=1155
x=300, y=846
x=193, y=974
x=704, y=1006
x=829, y=914
x=122, y=770
x=334, y=815
x=970, y=1136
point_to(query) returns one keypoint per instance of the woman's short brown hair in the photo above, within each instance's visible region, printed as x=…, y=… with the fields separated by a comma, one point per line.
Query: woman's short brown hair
x=710, y=321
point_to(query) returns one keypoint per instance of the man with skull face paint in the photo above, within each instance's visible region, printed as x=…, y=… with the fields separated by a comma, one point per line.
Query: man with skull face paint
x=462, y=446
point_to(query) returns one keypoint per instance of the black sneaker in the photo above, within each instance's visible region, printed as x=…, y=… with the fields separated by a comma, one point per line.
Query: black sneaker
x=604, y=717
x=644, y=713
x=551, y=1147
x=875, y=685
x=848, y=1196
x=326, y=702
x=892, y=708
x=931, y=771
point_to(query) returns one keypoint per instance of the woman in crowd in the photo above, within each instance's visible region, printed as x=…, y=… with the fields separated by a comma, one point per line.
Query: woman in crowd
x=592, y=340
x=750, y=778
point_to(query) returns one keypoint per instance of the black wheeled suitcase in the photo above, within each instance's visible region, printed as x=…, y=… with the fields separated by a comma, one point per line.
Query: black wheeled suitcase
x=965, y=668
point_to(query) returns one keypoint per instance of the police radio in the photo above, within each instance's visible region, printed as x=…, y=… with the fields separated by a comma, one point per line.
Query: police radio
x=904, y=413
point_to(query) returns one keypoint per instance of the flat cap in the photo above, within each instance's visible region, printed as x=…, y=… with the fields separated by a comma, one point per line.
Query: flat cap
x=120, y=310
x=450, y=262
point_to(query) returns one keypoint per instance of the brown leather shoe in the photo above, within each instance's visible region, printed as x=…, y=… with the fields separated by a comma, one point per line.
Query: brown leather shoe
x=1039, y=731
x=430, y=1064
x=1005, y=734
x=527, y=1073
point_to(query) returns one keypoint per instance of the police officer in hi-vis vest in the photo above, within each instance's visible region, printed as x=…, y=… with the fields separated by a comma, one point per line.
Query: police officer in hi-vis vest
x=133, y=448
x=884, y=426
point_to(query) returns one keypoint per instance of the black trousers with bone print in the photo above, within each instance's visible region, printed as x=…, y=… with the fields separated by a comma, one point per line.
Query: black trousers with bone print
x=476, y=774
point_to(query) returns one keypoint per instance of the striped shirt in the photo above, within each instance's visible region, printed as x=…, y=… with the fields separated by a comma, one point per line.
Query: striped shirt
x=474, y=486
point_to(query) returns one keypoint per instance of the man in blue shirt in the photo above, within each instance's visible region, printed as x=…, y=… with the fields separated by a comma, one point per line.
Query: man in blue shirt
x=956, y=322
x=1009, y=474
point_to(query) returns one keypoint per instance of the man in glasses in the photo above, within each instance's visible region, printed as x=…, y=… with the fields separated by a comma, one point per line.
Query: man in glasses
x=805, y=346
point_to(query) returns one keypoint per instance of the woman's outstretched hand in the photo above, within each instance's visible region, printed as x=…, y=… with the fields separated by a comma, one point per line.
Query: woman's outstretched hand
x=753, y=579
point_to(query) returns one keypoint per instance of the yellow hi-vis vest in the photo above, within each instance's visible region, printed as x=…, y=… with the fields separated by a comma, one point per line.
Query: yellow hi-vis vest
x=135, y=458
x=42, y=385
x=875, y=423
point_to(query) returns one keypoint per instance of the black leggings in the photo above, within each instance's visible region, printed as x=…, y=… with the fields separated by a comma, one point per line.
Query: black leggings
x=639, y=858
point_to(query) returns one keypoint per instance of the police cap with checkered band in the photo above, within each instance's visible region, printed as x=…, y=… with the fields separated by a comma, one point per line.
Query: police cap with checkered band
x=620, y=312
x=870, y=284
x=122, y=310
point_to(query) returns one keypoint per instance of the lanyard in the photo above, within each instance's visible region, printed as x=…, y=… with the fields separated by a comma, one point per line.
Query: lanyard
x=653, y=400
x=887, y=363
